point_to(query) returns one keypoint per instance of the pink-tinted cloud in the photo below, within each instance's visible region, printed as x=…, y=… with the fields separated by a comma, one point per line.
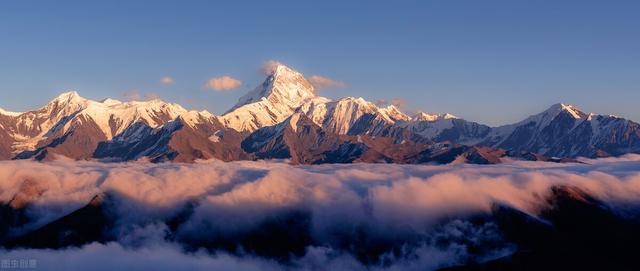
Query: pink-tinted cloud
x=398, y=102
x=224, y=83
x=167, y=80
x=234, y=199
x=325, y=82
x=136, y=95
x=269, y=67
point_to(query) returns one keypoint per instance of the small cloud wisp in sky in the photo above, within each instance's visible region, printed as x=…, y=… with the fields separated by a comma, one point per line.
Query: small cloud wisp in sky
x=224, y=83
x=269, y=66
x=325, y=82
x=167, y=80
x=398, y=102
x=136, y=95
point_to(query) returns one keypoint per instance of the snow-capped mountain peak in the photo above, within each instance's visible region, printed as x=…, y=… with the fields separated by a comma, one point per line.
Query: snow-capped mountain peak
x=422, y=116
x=572, y=110
x=67, y=101
x=544, y=118
x=284, y=85
x=340, y=115
x=394, y=114
x=272, y=102
x=70, y=98
x=69, y=111
x=193, y=118
x=67, y=96
x=288, y=112
x=113, y=116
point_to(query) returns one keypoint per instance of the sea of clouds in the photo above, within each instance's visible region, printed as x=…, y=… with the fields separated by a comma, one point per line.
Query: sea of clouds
x=331, y=217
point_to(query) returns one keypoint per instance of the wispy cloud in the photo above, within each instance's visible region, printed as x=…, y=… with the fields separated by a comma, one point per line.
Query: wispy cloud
x=167, y=80
x=398, y=102
x=325, y=82
x=269, y=66
x=137, y=95
x=223, y=83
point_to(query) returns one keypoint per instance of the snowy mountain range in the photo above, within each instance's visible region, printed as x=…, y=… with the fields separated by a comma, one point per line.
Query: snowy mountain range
x=285, y=118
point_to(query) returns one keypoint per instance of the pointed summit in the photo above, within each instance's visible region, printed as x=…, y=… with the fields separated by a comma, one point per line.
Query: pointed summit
x=69, y=96
x=273, y=101
x=543, y=119
x=284, y=85
x=562, y=107
x=66, y=103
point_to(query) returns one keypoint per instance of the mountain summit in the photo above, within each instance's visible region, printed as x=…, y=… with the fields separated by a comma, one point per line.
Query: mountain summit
x=270, y=103
x=284, y=118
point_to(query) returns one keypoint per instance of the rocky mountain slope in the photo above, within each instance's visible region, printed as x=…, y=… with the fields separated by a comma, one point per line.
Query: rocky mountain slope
x=565, y=131
x=284, y=118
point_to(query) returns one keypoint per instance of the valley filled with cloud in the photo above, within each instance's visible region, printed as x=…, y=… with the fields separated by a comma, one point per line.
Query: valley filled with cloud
x=269, y=215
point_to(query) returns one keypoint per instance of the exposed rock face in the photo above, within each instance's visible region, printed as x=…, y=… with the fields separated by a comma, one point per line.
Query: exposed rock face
x=191, y=137
x=301, y=140
x=206, y=138
x=565, y=131
x=5, y=145
x=260, y=125
x=73, y=126
x=304, y=142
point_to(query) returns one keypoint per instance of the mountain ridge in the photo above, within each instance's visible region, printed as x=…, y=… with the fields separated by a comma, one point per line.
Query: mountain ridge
x=345, y=130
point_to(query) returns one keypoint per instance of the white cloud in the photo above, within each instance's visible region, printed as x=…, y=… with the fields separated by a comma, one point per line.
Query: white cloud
x=380, y=201
x=269, y=66
x=325, y=82
x=223, y=83
x=167, y=80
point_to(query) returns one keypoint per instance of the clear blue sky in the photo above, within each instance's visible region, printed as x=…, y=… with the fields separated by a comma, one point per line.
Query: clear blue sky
x=488, y=61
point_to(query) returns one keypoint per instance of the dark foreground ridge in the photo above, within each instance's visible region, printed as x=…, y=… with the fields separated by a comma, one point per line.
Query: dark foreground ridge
x=571, y=231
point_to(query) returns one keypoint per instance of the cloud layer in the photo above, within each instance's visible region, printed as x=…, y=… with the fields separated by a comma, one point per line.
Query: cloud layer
x=223, y=83
x=331, y=214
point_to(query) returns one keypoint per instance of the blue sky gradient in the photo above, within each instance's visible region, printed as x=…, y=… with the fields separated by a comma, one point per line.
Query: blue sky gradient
x=489, y=61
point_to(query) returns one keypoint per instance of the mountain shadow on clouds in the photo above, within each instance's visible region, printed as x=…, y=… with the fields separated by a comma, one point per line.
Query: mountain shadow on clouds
x=574, y=231
x=282, y=237
x=570, y=230
x=90, y=223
